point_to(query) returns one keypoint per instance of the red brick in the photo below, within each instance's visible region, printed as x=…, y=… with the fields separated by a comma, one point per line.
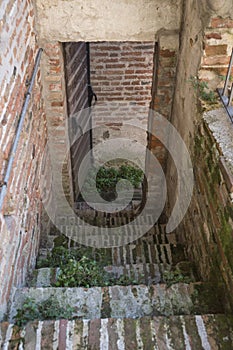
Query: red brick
x=167, y=53
x=213, y=36
x=214, y=50
x=216, y=60
x=219, y=22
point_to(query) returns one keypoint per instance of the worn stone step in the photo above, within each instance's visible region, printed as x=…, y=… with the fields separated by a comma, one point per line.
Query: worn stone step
x=151, y=250
x=208, y=332
x=70, y=225
x=147, y=252
x=153, y=235
x=136, y=273
x=126, y=301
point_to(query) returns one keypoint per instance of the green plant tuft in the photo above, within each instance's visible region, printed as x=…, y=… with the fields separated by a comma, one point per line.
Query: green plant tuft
x=82, y=273
x=46, y=310
x=60, y=256
x=202, y=87
x=175, y=276
x=106, y=178
x=78, y=268
x=88, y=273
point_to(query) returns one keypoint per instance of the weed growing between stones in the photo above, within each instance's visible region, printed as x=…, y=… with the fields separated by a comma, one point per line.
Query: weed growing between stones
x=60, y=256
x=46, y=310
x=175, y=276
x=77, y=268
x=107, y=178
x=88, y=273
x=202, y=87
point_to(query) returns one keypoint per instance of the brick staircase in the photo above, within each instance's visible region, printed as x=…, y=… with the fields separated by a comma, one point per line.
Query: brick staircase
x=152, y=313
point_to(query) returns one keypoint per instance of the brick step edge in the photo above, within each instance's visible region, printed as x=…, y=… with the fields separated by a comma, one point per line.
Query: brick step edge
x=175, y=332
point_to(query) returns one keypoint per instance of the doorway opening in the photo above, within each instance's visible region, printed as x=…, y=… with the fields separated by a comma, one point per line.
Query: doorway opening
x=112, y=81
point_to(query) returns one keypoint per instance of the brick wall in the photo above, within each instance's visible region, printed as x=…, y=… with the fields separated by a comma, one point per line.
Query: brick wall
x=207, y=227
x=217, y=50
x=122, y=71
x=20, y=217
x=121, y=77
x=166, y=50
x=56, y=117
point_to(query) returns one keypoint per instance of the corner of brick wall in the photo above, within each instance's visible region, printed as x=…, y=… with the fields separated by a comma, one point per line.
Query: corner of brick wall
x=165, y=60
x=56, y=116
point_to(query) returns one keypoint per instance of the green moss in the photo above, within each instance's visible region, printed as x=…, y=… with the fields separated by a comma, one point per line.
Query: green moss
x=105, y=308
x=135, y=292
x=226, y=237
x=217, y=281
x=215, y=175
x=177, y=253
x=61, y=241
x=198, y=145
x=175, y=276
x=205, y=298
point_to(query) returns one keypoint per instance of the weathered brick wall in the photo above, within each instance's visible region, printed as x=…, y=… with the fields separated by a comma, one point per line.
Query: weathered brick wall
x=217, y=50
x=56, y=117
x=164, y=74
x=122, y=71
x=121, y=77
x=163, y=88
x=208, y=227
x=21, y=211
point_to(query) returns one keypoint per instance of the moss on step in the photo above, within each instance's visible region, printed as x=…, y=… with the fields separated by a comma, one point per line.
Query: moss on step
x=178, y=253
x=61, y=241
x=48, y=309
x=205, y=298
x=105, y=307
x=176, y=276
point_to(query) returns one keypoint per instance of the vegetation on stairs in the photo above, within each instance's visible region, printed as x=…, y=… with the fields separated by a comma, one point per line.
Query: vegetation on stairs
x=144, y=295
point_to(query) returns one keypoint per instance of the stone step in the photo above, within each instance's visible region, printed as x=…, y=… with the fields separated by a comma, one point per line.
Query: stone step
x=156, y=238
x=132, y=205
x=141, y=253
x=136, y=273
x=147, y=244
x=70, y=225
x=148, y=252
x=208, y=332
x=126, y=301
x=153, y=248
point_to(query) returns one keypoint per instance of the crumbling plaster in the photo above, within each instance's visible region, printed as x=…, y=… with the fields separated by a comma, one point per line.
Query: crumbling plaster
x=123, y=20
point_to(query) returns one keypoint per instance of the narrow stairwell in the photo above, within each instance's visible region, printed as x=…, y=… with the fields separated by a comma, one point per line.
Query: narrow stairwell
x=154, y=300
